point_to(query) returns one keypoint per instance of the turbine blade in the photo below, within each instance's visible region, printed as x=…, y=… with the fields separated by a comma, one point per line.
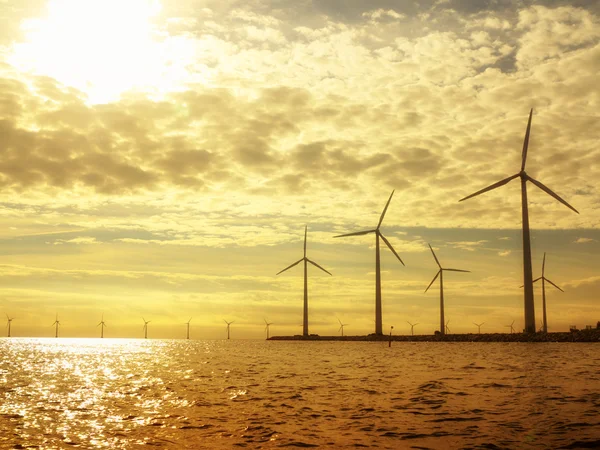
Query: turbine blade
x=434, y=278
x=390, y=247
x=457, y=270
x=435, y=257
x=385, y=210
x=305, y=231
x=548, y=191
x=553, y=284
x=526, y=142
x=358, y=233
x=290, y=266
x=537, y=279
x=543, y=263
x=489, y=188
x=316, y=265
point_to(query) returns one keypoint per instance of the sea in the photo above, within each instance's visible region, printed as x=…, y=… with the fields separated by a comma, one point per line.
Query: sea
x=132, y=393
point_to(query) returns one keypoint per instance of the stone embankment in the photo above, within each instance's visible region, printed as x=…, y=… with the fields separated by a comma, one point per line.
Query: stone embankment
x=570, y=336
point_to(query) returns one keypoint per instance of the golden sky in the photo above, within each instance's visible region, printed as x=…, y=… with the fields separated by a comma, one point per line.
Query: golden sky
x=161, y=159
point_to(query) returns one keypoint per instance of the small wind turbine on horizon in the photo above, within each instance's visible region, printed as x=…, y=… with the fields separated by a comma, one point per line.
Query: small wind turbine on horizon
x=102, y=325
x=188, y=328
x=228, y=326
x=8, y=322
x=146, y=322
x=342, y=325
x=447, y=327
x=544, y=279
x=268, y=324
x=306, y=260
x=378, y=235
x=512, y=329
x=412, y=327
x=440, y=274
x=527, y=268
x=478, y=325
x=56, y=323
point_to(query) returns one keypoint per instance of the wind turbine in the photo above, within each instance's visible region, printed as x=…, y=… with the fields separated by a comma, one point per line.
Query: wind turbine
x=228, y=325
x=102, y=324
x=378, y=314
x=512, y=329
x=56, y=323
x=306, y=260
x=268, y=324
x=544, y=279
x=188, y=328
x=447, y=327
x=478, y=325
x=441, y=275
x=412, y=327
x=8, y=321
x=146, y=322
x=342, y=325
x=527, y=270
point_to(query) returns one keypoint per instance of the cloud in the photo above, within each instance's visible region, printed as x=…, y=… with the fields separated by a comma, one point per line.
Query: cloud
x=504, y=253
x=584, y=240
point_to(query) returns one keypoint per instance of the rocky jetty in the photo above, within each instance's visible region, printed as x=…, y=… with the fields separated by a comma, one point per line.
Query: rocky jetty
x=568, y=336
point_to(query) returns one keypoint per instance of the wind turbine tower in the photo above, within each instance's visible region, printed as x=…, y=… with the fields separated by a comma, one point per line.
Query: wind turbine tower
x=441, y=275
x=378, y=235
x=478, y=325
x=8, y=322
x=188, y=328
x=527, y=269
x=102, y=325
x=56, y=324
x=306, y=261
x=342, y=325
x=412, y=327
x=268, y=324
x=544, y=279
x=146, y=322
x=228, y=326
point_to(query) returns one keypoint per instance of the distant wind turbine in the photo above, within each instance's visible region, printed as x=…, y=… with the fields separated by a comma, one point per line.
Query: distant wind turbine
x=306, y=260
x=412, y=327
x=188, y=328
x=102, y=325
x=228, y=326
x=8, y=322
x=56, y=323
x=478, y=325
x=440, y=274
x=378, y=235
x=146, y=322
x=268, y=324
x=342, y=325
x=447, y=327
x=527, y=269
x=544, y=279
x=512, y=329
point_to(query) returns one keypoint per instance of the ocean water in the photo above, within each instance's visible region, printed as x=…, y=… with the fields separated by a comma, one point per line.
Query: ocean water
x=122, y=394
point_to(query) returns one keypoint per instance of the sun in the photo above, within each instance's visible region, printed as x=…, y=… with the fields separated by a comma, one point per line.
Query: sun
x=102, y=47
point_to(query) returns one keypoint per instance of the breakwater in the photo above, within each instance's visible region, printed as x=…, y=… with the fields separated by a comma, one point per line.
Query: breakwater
x=568, y=336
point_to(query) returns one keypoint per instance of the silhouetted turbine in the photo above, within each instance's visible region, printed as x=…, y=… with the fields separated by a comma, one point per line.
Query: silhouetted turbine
x=527, y=269
x=188, y=328
x=447, y=327
x=412, y=327
x=228, y=325
x=378, y=313
x=8, y=322
x=544, y=279
x=478, y=325
x=146, y=322
x=56, y=323
x=306, y=260
x=441, y=275
x=342, y=325
x=268, y=324
x=102, y=325
x=512, y=329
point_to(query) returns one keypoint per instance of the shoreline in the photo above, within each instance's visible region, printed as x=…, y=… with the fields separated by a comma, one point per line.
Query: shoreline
x=567, y=336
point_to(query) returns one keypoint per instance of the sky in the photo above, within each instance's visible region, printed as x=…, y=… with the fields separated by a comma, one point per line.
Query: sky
x=160, y=159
